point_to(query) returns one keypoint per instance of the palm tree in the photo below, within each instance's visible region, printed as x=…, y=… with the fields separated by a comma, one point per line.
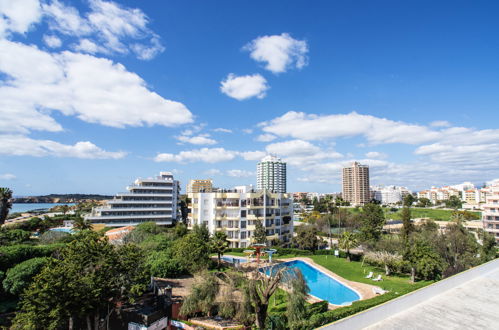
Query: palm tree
x=5, y=203
x=81, y=224
x=348, y=240
x=219, y=244
x=64, y=209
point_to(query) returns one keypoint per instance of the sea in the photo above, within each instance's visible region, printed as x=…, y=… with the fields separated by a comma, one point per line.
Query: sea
x=25, y=207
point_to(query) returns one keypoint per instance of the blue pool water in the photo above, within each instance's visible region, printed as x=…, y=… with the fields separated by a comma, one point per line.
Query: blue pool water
x=321, y=285
x=62, y=229
x=231, y=259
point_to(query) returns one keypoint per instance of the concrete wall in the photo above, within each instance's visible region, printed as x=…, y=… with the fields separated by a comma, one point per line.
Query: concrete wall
x=392, y=307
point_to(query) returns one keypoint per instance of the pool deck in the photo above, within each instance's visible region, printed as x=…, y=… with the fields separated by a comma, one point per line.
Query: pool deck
x=364, y=290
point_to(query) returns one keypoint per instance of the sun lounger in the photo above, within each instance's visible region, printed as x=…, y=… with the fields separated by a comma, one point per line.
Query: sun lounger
x=377, y=279
x=370, y=275
x=378, y=290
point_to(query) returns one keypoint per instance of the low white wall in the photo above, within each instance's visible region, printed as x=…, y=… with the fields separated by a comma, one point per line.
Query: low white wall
x=394, y=306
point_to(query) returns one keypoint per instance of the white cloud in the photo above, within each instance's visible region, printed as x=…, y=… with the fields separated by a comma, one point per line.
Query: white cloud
x=38, y=82
x=247, y=130
x=240, y=173
x=18, y=15
x=376, y=154
x=88, y=46
x=252, y=155
x=440, y=123
x=206, y=155
x=376, y=130
x=106, y=28
x=7, y=176
x=52, y=41
x=18, y=145
x=222, y=130
x=213, y=172
x=244, y=87
x=265, y=138
x=198, y=139
x=279, y=52
x=301, y=153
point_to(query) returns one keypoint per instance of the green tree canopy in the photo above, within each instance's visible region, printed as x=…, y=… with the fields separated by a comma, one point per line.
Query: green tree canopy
x=5, y=203
x=373, y=219
x=21, y=275
x=306, y=238
x=408, y=200
x=259, y=235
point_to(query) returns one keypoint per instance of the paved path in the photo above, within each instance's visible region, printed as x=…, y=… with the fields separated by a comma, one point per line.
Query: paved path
x=472, y=305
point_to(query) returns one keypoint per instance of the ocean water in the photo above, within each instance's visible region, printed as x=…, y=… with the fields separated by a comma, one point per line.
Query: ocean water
x=25, y=207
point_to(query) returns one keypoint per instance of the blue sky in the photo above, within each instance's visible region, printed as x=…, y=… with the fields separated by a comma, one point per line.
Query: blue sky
x=96, y=93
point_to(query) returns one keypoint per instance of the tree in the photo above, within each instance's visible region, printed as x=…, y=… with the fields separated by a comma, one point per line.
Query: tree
x=296, y=298
x=423, y=258
x=348, y=240
x=306, y=238
x=424, y=202
x=407, y=226
x=180, y=230
x=219, y=244
x=201, y=231
x=390, y=261
x=13, y=236
x=408, y=200
x=260, y=234
x=81, y=224
x=373, y=220
x=90, y=277
x=64, y=209
x=458, y=247
x=192, y=251
x=202, y=295
x=453, y=202
x=488, y=246
x=21, y=275
x=5, y=203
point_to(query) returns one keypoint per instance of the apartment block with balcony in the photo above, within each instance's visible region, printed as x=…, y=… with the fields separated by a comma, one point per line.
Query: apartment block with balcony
x=236, y=211
x=355, y=184
x=152, y=199
x=195, y=186
x=490, y=214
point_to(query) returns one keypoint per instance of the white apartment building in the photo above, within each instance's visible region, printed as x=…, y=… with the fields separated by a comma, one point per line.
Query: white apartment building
x=271, y=174
x=389, y=194
x=236, y=211
x=152, y=199
x=355, y=184
x=490, y=214
x=435, y=194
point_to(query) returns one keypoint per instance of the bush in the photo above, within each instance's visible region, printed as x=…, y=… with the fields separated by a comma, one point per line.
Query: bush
x=15, y=254
x=161, y=264
x=21, y=275
x=52, y=236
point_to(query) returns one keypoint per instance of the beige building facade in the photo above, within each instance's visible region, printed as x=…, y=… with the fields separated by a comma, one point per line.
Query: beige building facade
x=490, y=214
x=197, y=185
x=355, y=184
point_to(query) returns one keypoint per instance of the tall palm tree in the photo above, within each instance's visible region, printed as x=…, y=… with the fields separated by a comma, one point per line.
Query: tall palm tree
x=348, y=241
x=5, y=203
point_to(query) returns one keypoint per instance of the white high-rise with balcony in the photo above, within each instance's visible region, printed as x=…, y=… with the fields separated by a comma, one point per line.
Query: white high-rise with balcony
x=271, y=174
x=152, y=199
x=237, y=210
x=490, y=214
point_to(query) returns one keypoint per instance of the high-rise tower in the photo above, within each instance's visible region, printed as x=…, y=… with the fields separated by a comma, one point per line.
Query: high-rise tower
x=356, y=184
x=271, y=174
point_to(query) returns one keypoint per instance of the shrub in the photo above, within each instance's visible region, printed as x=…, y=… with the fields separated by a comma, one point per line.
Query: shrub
x=52, y=236
x=161, y=264
x=15, y=254
x=20, y=276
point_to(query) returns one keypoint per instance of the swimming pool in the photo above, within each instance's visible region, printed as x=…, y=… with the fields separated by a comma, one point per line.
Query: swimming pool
x=233, y=260
x=321, y=285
